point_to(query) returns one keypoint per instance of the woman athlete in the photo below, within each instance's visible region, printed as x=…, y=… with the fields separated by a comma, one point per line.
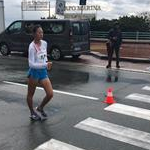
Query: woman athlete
x=38, y=66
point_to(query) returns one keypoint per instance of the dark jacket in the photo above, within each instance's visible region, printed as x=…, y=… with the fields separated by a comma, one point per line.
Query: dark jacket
x=115, y=36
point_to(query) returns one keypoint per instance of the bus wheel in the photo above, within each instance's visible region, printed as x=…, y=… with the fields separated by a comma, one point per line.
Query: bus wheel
x=4, y=49
x=55, y=54
x=75, y=56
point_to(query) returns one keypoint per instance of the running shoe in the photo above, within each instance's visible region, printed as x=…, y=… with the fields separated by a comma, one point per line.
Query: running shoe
x=42, y=112
x=34, y=116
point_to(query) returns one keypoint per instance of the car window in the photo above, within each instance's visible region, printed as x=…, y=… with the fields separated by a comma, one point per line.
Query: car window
x=53, y=27
x=76, y=28
x=15, y=28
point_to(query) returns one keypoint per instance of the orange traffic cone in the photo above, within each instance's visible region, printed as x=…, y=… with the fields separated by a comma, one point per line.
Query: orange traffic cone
x=109, y=99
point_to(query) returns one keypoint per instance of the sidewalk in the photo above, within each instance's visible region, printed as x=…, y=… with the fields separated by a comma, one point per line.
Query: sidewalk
x=130, y=64
x=128, y=59
x=127, y=49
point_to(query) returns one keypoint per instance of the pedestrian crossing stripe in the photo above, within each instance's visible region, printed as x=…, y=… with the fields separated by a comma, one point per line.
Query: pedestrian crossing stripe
x=139, y=97
x=56, y=145
x=116, y=132
x=129, y=110
x=146, y=88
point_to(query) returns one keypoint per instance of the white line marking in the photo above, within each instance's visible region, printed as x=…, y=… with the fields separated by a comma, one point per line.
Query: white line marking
x=139, y=97
x=56, y=145
x=146, y=88
x=129, y=110
x=57, y=91
x=116, y=132
x=148, y=69
x=123, y=69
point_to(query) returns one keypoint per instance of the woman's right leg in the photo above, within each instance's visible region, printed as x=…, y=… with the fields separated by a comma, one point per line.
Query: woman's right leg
x=32, y=83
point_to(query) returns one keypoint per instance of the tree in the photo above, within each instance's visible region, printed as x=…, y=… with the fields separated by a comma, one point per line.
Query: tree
x=133, y=23
x=146, y=16
x=100, y=25
x=127, y=23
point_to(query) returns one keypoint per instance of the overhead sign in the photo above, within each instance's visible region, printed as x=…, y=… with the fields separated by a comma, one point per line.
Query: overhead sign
x=86, y=8
x=60, y=7
x=35, y=5
x=88, y=16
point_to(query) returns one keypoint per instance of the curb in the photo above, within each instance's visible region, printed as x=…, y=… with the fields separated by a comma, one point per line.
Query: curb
x=129, y=59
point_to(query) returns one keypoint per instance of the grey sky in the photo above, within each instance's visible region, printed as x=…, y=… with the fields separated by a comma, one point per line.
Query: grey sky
x=110, y=8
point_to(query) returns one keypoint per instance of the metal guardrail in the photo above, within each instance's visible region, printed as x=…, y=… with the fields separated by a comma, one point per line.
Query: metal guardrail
x=126, y=35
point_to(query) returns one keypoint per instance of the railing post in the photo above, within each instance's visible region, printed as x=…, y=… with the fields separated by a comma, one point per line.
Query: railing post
x=137, y=39
x=137, y=36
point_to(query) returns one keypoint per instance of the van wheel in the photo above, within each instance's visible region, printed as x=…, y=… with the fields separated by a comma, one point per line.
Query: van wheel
x=4, y=49
x=75, y=56
x=55, y=54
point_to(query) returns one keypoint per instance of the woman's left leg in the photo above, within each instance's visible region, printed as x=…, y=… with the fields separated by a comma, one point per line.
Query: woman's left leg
x=46, y=84
x=117, y=56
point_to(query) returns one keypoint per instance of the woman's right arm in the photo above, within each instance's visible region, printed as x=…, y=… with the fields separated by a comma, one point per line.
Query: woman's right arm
x=31, y=60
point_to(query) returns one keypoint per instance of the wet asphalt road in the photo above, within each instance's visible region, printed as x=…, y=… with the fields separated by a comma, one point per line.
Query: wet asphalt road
x=17, y=132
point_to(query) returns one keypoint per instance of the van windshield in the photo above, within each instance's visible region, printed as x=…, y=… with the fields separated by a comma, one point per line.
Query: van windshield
x=15, y=27
x=80, y=28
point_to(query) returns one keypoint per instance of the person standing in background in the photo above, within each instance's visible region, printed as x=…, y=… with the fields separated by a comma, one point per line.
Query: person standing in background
x=113, y=44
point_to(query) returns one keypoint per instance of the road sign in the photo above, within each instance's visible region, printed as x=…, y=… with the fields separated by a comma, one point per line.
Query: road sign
x=34, y=5
x=60, y=7
x=82, y=2
x=88, y=16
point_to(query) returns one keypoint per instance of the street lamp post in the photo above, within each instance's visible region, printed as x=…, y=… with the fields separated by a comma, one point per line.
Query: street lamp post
x=49, y=16
x=81, y=11
x=82, y=3
x=2, y=20
x=22, y=14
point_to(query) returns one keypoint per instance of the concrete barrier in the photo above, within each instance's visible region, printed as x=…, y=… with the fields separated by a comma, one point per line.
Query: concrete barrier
x=129, y=48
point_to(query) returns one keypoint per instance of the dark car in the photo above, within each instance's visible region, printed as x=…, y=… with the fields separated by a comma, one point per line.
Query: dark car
x=64, y=37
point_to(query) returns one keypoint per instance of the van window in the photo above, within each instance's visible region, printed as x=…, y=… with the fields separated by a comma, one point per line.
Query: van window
x=29, y=27
x=84, y=28
x=76, y=28
x=15, y=28
x=53, y=27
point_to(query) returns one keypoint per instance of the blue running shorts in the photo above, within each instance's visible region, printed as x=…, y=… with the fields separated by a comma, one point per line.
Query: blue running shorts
x=38, y=74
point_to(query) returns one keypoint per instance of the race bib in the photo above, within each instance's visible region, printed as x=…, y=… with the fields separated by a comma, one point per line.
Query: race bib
x=42, y=56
